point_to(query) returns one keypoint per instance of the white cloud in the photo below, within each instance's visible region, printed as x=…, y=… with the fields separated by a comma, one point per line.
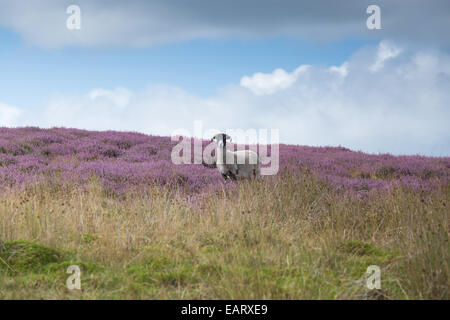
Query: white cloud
x=9, y=115
x=402, y=108
x=119, y=96
x=269, y=83
x=386, y=51
x=341, y=70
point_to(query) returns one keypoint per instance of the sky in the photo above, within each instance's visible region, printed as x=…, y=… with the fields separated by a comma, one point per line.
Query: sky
x=312, y=69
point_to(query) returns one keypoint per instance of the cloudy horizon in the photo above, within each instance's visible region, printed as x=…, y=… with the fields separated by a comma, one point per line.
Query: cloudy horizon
x=313, y=71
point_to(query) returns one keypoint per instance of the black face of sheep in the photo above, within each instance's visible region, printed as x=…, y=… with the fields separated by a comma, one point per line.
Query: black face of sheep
x=221, y=139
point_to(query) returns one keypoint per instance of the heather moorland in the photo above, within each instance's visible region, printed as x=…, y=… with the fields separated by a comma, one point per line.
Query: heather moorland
x=142, y=227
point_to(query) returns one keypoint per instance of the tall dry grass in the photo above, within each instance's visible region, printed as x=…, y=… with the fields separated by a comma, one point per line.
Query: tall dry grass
x=284, y=238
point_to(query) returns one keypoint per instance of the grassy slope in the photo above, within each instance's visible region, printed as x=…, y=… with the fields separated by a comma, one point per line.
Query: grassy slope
x=285, y=238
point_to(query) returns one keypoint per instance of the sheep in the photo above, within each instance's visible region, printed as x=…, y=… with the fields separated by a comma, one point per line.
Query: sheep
x=235, y=164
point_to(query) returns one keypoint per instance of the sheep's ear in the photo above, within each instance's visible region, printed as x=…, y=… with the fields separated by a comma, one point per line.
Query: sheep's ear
x=228, y=138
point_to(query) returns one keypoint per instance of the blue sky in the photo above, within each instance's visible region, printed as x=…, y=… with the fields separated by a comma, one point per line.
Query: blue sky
x=312, y=69
x=200, y=66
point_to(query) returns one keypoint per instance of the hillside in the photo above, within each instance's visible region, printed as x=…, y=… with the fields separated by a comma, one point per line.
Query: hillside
x=140, y=227
x=125, y=160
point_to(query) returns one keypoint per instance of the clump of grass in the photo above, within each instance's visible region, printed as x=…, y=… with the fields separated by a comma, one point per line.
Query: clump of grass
x=20, y=255
x=89, y=238
x=361, y=174
x=385, y=173
x=361, y=248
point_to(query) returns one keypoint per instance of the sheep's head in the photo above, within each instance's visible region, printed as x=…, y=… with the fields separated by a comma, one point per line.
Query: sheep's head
x=221, y=139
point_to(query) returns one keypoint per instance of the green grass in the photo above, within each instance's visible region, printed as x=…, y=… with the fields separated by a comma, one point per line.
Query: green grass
x=231, y=272
x=280, y=239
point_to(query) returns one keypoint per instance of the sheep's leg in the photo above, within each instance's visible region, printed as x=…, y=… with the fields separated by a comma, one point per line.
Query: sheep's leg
x=257, y=173
x=232, y=176
x=224, y=176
